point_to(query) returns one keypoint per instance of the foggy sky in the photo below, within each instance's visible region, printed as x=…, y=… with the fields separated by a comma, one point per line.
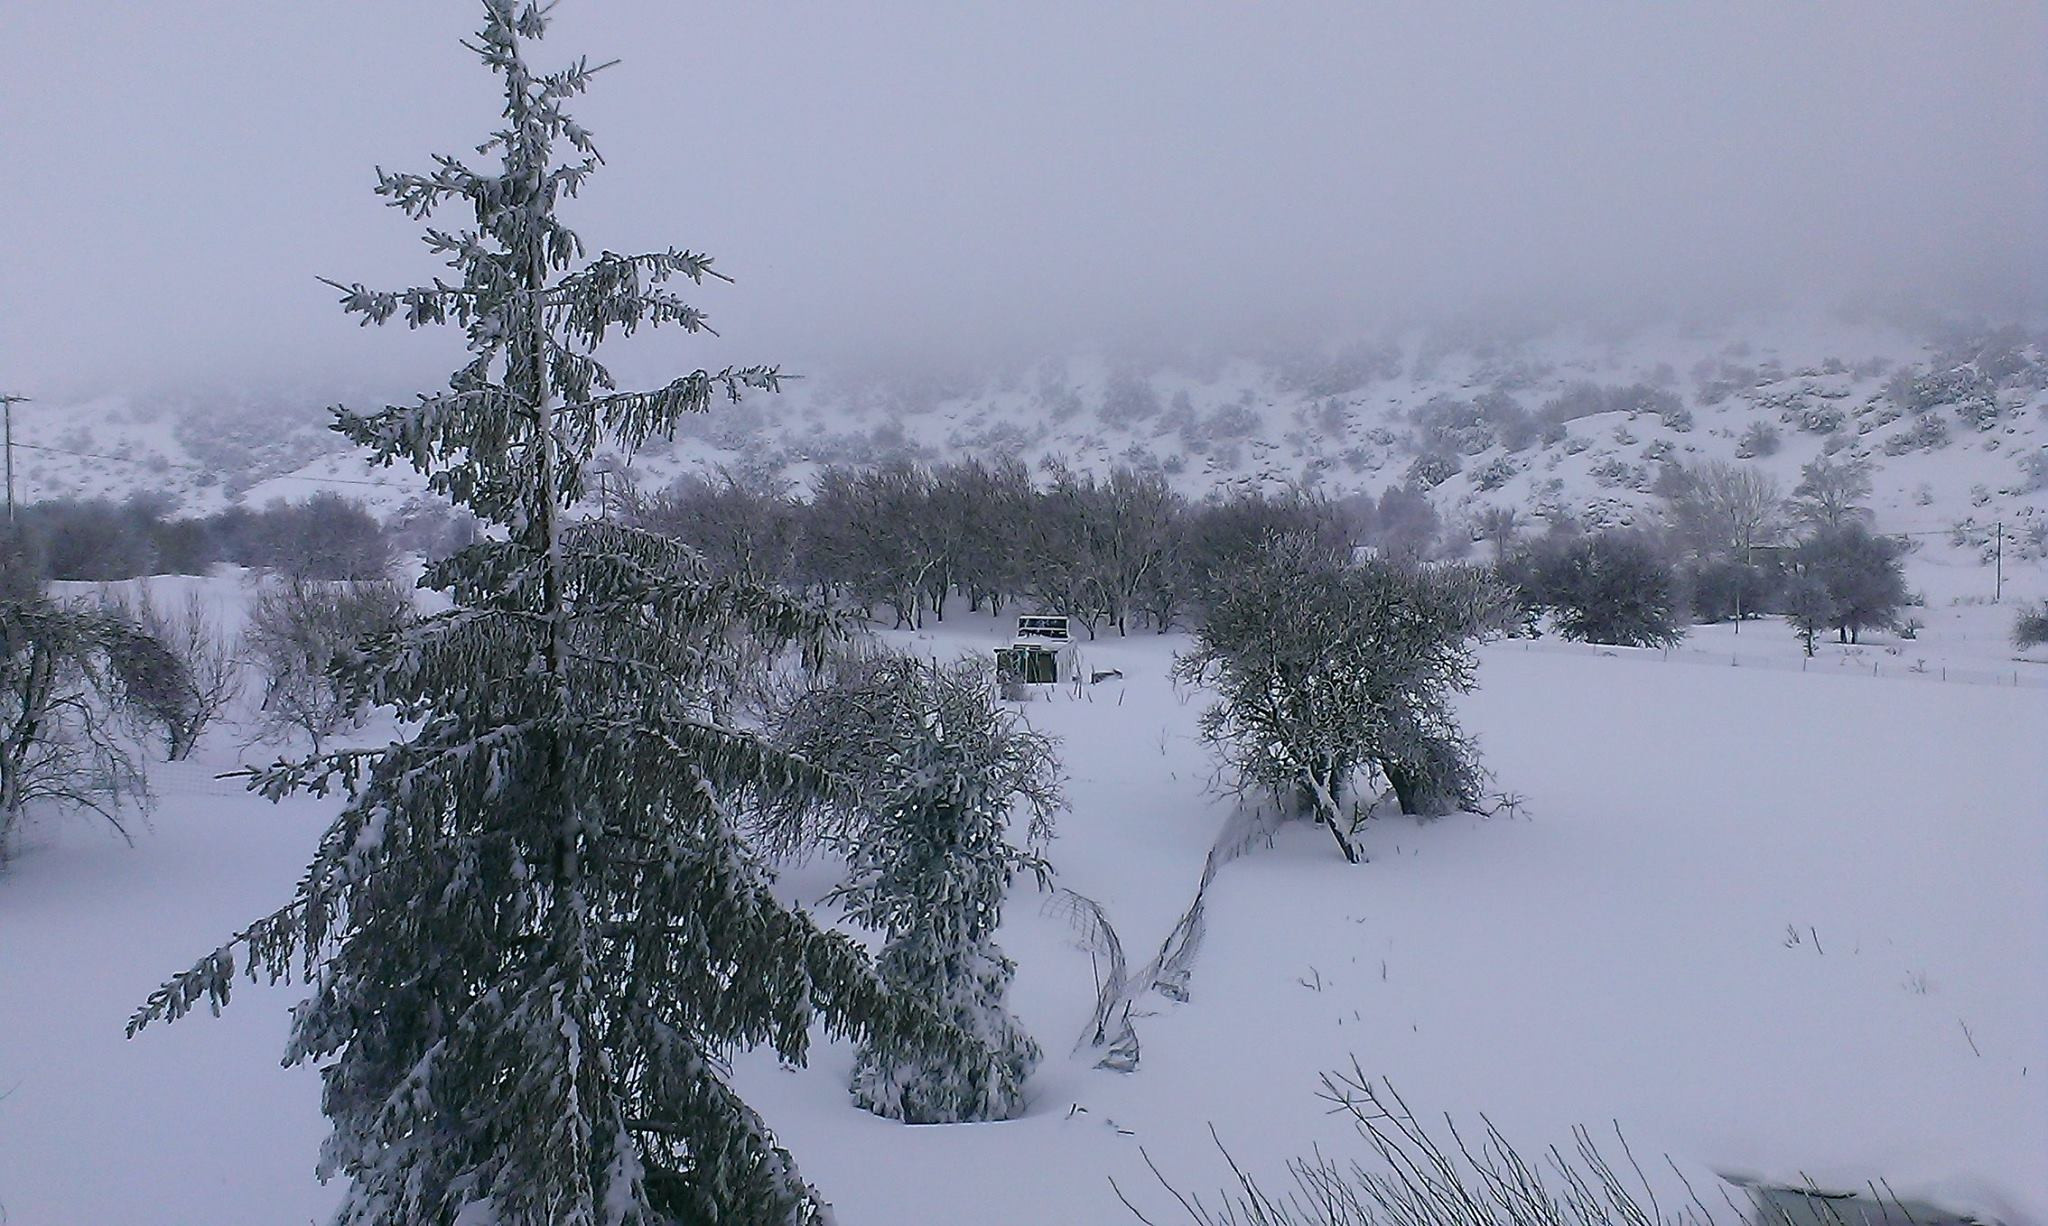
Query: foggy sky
x=958, y=181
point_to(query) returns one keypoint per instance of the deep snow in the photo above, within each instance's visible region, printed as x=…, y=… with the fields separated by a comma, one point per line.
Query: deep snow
x=1621, y=949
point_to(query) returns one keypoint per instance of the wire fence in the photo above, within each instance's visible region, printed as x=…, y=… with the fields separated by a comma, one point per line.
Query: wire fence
x=2022, y=675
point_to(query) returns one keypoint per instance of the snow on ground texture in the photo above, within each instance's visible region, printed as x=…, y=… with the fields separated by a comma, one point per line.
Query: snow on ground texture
x=1623, y=950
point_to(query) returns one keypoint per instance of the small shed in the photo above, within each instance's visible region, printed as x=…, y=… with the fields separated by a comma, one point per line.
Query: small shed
x=1028, y=664
x=1042, y=652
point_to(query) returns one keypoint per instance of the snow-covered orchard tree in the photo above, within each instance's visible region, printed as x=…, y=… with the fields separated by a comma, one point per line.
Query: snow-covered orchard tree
x=935, y=769
x=535, y=931
x=78, y=685
x=1328, y=672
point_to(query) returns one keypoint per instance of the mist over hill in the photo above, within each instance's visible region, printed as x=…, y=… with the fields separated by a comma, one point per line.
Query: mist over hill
x=1567, y=425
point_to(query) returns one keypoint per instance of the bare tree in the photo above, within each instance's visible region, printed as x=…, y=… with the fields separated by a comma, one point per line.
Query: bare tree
x=208, y=661
x=300, y=632
x=1498, y=525
x=746, y=527
x=1830, y=493
x=1725, y=509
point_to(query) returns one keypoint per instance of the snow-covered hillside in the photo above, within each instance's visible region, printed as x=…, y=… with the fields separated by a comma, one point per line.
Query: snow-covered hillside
x=1566, y=422
x=1770, y=923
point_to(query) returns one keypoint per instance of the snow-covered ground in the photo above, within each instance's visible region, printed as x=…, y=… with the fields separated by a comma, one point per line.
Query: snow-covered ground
x=1768, y=922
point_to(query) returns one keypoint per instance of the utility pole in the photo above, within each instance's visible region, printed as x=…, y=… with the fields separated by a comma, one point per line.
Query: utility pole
x=1998, y=562
x=9, y=402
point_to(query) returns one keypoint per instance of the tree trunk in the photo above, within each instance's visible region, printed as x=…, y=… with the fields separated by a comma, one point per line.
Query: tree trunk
x=1320, y=798
x=1407, y=788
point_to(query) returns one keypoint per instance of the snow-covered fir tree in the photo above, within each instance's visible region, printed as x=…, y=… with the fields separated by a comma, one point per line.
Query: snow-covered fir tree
x=535, y=930
x=936, y=770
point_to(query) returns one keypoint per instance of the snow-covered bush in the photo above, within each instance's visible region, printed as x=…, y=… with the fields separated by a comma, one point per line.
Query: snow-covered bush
x=1432, y=469
x=1494, y=473
x=1127, y=400
x=933, y=769
x=324, y=537
x=2030, y=629
x=1760, y=439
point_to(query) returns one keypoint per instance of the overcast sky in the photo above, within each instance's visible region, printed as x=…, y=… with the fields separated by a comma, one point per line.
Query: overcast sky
x=958, y=180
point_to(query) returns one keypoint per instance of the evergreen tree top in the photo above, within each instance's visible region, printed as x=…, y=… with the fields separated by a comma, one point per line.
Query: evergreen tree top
x=532, y=307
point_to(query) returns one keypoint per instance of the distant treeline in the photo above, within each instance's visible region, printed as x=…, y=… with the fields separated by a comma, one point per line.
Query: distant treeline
x=1125, y=550
x=325, y=536
x=1122, y=550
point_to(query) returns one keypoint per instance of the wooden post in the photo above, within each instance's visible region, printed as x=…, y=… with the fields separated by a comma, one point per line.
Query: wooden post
x=9, y=402
x=1997, y=561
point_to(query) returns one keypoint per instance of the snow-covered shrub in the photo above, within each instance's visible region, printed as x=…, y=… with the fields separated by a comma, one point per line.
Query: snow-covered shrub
x=1315, y=374
x=1454, y=427
x=1927, y=433
x=1962, y=386
x=1514, y=426
x=1612, y=471
x=1231, y=421
x=1814, y=416
x=1127, y=400
x=1494, y=473
x=324, y=537
x=932, y=770
x=1581, y=399
x=1432, y=469
x=91, y=540
x=1760, y=439
x=2030, y=629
